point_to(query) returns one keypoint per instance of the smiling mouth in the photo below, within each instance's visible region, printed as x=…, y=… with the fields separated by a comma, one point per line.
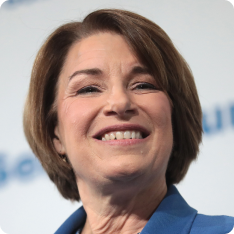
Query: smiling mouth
x=122, y=132
x=120, y=135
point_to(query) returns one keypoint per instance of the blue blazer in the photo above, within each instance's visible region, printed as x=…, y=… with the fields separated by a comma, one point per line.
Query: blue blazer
x=173, y=216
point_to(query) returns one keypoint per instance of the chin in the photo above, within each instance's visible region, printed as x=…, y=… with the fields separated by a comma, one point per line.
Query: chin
x=124, y=173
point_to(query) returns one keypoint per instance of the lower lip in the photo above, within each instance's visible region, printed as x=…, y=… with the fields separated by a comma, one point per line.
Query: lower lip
x=123, y=142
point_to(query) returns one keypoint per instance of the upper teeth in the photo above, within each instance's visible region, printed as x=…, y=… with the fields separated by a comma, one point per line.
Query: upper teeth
x=122, y=135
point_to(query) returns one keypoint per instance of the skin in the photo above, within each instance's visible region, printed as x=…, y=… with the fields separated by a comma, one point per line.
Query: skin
x=121, y=182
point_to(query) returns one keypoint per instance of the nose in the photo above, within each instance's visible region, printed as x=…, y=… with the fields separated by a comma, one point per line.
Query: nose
x=119, y=103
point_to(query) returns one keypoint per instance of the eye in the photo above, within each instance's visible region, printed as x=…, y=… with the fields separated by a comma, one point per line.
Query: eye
x=89, y=90
x=144, y=86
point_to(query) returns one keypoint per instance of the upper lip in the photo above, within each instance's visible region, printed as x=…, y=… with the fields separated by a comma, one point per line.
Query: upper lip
x=122, y=127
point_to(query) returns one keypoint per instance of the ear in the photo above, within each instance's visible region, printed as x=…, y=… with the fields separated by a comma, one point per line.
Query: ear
x=57, y=142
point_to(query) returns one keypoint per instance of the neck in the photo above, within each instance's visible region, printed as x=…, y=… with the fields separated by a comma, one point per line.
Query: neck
x=123, y=211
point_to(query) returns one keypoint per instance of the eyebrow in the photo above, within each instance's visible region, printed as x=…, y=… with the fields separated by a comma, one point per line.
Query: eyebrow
x=139, y=70
x=136, y=70
x=92, y=71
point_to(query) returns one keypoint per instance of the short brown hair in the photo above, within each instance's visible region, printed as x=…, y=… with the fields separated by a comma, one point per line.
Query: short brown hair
x=154, y=49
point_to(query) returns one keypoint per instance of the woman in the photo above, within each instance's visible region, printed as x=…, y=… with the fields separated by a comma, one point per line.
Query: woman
x=114, y=117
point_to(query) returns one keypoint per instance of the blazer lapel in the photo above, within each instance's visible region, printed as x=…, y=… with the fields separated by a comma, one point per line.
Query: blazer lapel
x=73, y=223
x=173, y=215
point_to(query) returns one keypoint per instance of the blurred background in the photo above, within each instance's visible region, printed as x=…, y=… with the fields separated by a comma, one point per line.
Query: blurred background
x=202, y=30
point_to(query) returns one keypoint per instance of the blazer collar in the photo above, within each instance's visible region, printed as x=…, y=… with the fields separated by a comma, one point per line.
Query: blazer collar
x=173, y=215
x=73, y=223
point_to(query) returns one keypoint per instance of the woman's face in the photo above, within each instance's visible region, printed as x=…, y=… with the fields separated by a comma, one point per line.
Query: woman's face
x=105, y=92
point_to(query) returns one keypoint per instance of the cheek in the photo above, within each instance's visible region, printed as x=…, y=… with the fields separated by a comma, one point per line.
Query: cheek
x=160, y=114
x=159, y=111
x=161, y=118
x=75, y=118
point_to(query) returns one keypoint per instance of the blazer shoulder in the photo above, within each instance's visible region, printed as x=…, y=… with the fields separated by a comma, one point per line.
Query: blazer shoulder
x=206, y=224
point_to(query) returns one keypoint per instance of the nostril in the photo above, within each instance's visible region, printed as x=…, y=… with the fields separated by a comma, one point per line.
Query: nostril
x=110, y=113
x=118, y=103
x=130, y=111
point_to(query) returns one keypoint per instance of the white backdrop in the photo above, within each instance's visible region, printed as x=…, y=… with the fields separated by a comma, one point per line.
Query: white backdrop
x=202, y=30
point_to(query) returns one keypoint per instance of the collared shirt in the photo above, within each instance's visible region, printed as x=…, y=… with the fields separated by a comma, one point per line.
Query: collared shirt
x=173, y=216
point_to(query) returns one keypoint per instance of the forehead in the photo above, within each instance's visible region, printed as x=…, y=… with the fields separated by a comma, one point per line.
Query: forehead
x=102, y=41
x=100, y=47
